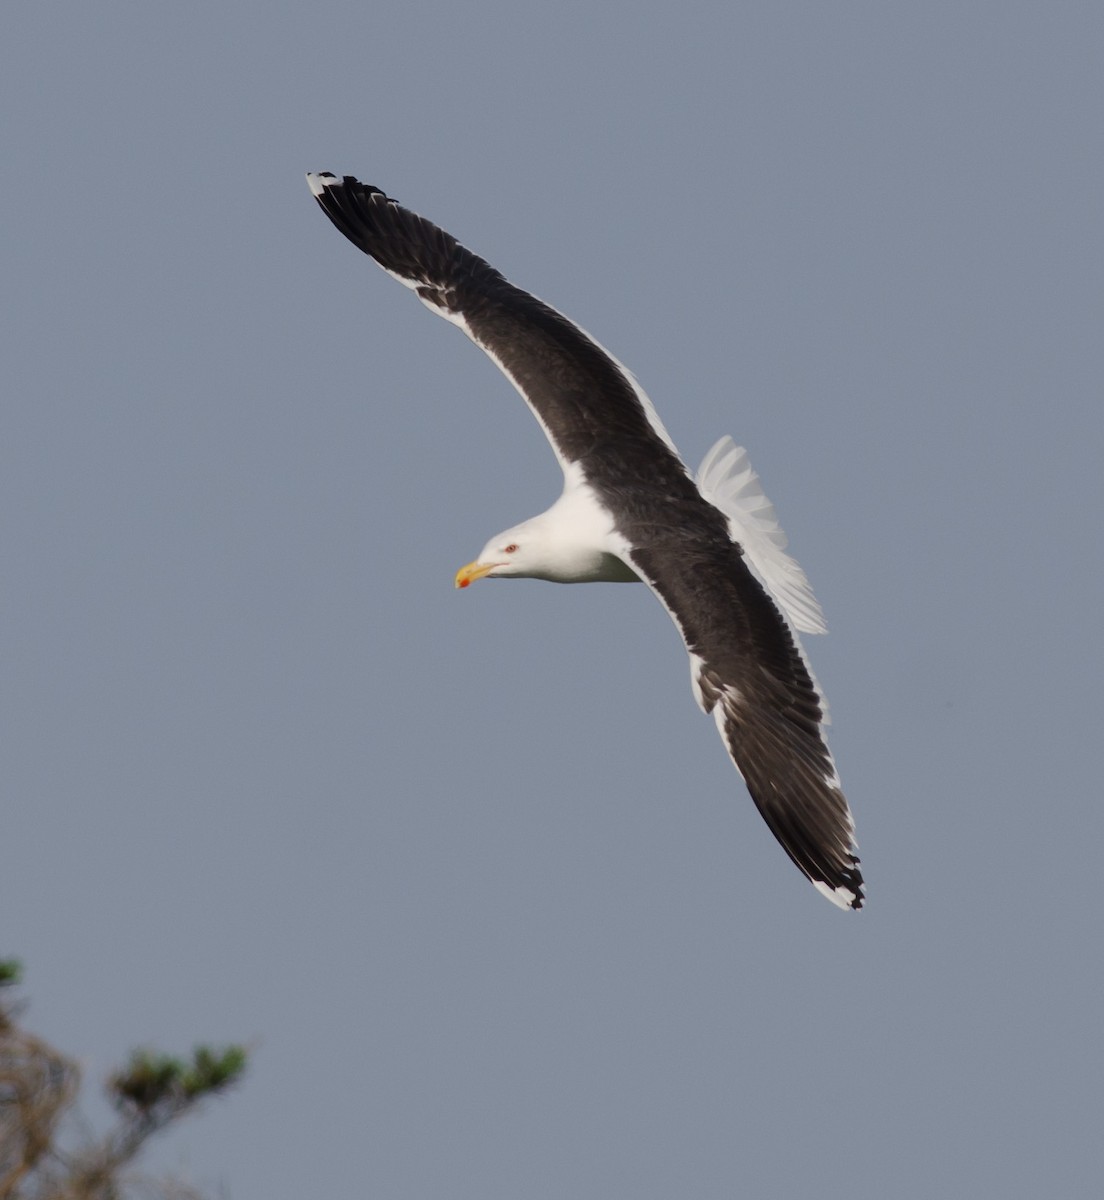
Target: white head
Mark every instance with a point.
(548, 547)
(526, 551)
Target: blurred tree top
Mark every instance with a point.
(38, 1089)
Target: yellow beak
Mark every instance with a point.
(473, 571)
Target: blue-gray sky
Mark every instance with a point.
(469, 869)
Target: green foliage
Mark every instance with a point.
(152, 1080)
(38, 1089)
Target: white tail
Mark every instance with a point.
(729, 482)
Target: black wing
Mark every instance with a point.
(750, 673)
(581, 395)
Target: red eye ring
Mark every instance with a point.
(511, 548)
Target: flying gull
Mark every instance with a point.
(711, 549)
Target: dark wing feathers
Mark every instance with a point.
(408, 246)
(754, 680)
(580, 395)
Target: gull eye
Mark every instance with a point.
(510, 549)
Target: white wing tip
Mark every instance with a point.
(320, 180)
(842, 897)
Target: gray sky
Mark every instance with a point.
(470, 870)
